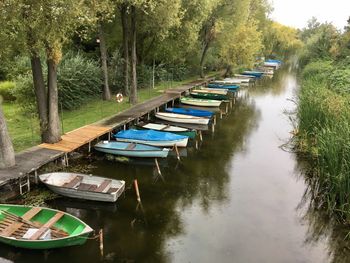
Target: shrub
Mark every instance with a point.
(339, 81)
(6, 89)
(79, 79)
(319, 70)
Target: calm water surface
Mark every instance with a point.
(236, 199)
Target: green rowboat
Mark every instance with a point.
(40, 228)
(208, 96)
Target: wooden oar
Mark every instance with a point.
(35, 225)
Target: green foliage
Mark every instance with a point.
(79, 79)
(339, 81)
(6, 88)
(324, 133)
(319, 70)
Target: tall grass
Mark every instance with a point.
(324, 135)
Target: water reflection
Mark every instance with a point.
(233, 200)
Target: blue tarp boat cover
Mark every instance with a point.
(274, 61)
(190, 111)
(148, 135)
(221, 86)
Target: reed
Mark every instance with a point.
(324, 135)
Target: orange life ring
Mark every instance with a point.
(119, 97)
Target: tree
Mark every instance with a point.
(7, 154)
(43, 27)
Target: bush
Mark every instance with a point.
(6, 89)
(79, 79)
(339, 81)
(319, 70)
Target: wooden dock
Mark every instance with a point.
(30, 160)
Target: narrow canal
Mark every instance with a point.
(236, 199)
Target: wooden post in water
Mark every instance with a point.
(214, 119)
(200, 135)
(177, 152)
(101, 241)
(138, 198)
(157, 166)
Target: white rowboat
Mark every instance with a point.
(181, 118)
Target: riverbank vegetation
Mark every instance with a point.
(61, 56)
(324, 115)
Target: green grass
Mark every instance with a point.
(324, 135)
(24, 129)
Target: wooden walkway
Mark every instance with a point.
(32, 159)
(75, 139)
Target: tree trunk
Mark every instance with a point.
(124, 18)
(228, 71)
(133, 90)
(41, 95)
(106, 93)
(201, 65)
(7, 154)
(54, 120)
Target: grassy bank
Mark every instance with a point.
(24, 128)
(324, 137)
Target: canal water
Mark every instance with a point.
(238, 198)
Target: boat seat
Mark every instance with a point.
(47, 225)
(131, 146)
(165, 127)
(104, 186)
(112, 190)
(8, 231)
(73, 182)
(87, 187)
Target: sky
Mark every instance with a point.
(296, 13)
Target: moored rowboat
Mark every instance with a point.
(167, 128)
(40, 227)
(211, 91)
(208, 96)
(83, 186)
(130, 149)
(200, 102)
(191, 111)
(181, 118)
(151, 137)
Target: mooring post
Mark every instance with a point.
(89, 146)
(226, 108)
(124, 127)
(200, 136)
(66, 157)
(220, 114)
(212, 128)
(101, 241)
(196, 144)
(28, 183)
(109, 136)
(173, 103)
(214, 119)
(36, 179)
(177, 152)
(157, 166)
(148, 116)
(138, 197)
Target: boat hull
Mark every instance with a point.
(208, 96)
(201, 102)
(179, 119)
(221, 86)
(189, 133)
(77, 230)
(178, 143)
(142, 154)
